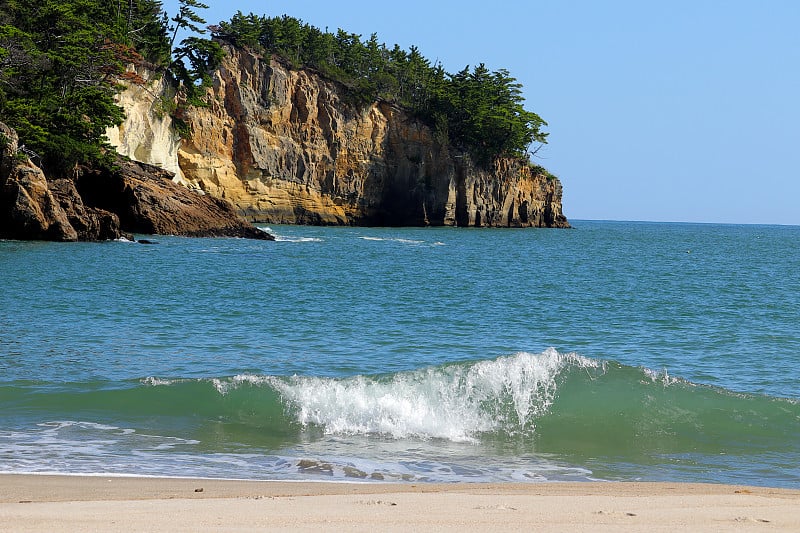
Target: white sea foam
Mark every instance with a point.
(661, 376)
(152, 381)
(333, 459)
(396, 239)
(224, 386)
(221, 386)
(453, 402)
(62, 444)
(288, 238)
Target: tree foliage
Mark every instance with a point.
(60, 62)
(195, 57)
(479, 110)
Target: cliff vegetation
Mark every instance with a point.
(61, 61)
(63, 64)
(476, 109)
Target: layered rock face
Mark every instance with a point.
(287, 146)
(98, 205)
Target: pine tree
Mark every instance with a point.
(195, 57)
(478, 110)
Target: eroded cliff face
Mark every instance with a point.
(286, 146)
(95, 204)
(148, 133)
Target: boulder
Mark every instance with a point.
(28, 209)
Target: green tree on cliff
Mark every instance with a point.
(60, 61)
(58, 84)
(478, 110)
(195, 57)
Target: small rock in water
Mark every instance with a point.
(309, 465)
(349, 471)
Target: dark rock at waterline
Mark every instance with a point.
(28, 209)
(90, 223)
(147, 201)
(94, 205)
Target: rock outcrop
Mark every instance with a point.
(147, 200)
(28, 207)
(102, 205)
(288, 146)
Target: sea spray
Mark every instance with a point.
(457, 401)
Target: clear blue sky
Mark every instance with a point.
(664, 111)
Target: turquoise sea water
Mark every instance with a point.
(613, 351)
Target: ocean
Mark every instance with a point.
(612, 351)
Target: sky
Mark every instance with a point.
(679, 111)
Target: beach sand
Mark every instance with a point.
(96, 503)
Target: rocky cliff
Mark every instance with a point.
(94, 204)
(33, 208)
(289, 146)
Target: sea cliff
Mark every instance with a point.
(290, 146)
(91, 204)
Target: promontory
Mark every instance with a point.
(268, 121)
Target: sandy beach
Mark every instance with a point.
(95, 503)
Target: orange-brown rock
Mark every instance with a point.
(28, 209)
(100, 205)
(147, 200)
(289, 146)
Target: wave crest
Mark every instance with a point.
(454, 402)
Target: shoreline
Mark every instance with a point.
(39, 502)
